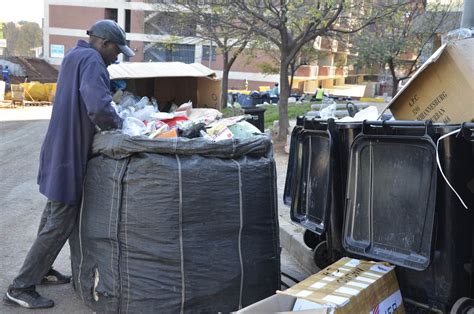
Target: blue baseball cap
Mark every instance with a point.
(110, 30)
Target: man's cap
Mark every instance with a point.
(110, 30)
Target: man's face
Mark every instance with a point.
(109, 51)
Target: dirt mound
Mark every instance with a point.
(35, 69)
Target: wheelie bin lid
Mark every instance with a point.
(391, 194)
(290, 180)
(310, 168)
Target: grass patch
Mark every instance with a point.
(271, 112)
(294, 110)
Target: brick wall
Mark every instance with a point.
(137, 47)
(244, 63)
(137, 24)
(64, 16)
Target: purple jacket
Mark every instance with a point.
(82, 101)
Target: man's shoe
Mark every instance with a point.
(27, 298)
(53, 277)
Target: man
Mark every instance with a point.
(82, 103)
(6, 74)
(275, 90)
(318, 94)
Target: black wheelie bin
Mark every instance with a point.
(315, 183)
(400, 209)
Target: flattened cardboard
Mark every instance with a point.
(442, 90)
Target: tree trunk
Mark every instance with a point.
(292, 73)
(283, 102)
(395, 82)
(395, 79)
(225, 79)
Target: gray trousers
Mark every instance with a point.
(55, 227)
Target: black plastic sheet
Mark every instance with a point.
(180, 225)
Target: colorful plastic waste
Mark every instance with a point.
(159, 129)
(205, 116)
(142, 118)
(243, 130)
(220, 132)
(168, 134)
(173, 121)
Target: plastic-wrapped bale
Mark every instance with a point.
(177, 225)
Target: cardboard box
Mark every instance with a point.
(442, 90)
(171, 82)
(347, 286)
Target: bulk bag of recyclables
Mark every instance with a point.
(177, 225)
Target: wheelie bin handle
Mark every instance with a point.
(467, 130)
(367, 125)
(457, 131)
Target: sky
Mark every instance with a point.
(22, 10)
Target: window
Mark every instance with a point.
(111, 14)
(205, 52)
(127, 21)
(168, 23)
(169, 53)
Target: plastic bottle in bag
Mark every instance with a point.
(128, 100)
(154, 103)
(142, 103)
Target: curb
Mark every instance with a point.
(291, 239)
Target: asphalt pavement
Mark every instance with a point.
(22, 131)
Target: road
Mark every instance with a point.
(21, 134)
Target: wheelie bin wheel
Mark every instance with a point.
(463, 306)
(321, 255)
(311, 239)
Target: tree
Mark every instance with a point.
(229, 40)
(22, 37)
(289, 25)
(398, 42)
(30, 36)
(10, 33)
(306, 56)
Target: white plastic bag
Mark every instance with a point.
(370, 113)
(133, 127)
(145, 113)
(328, 109)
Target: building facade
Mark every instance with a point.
(154, 36)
